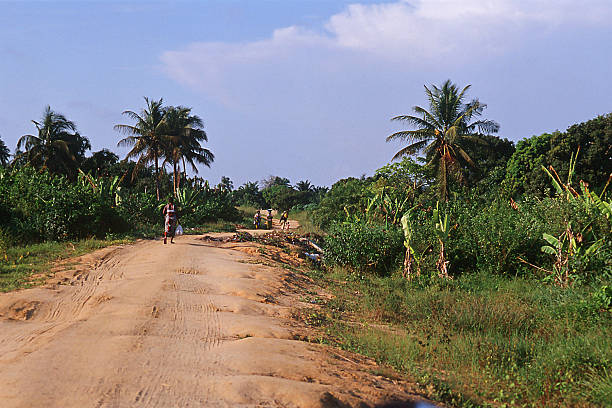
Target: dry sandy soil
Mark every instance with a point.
(194, 324)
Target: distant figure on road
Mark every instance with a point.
(171, 219)
(284, 219)
(269, 219)
(257, 219)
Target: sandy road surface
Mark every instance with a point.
(183, 325)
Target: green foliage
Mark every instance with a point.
(249, 195)
(100, 163)
(284, 198)
(364, 247)
(5, 153)
(491, 155)
(56, 147)
(211, 205)
(140, 208)
(489, 340)
(350, 194)
(40, 206)
(594, 164)
(445, 132)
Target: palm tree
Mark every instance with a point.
(444, 131)
(184, 135)
(304, 185)
(5, 153)
(57, 145)
(146, 138)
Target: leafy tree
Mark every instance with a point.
(275, 181)
(284, 198)
(318, 193)
(491, 155)
(5, 153)
(345, 195)
(443, 131)
(226, 184)
(594, 163)
(57, 146)
(249, 194)
(147, 137)
(404, 174)
(184, 137)
(524, 169)
(100, 163)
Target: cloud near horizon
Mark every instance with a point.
(420, 33)
(340, 84)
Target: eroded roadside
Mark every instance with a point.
(197, 323)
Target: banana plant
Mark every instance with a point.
(351, 218)
(187, 198)
(585, 195)
(443, 234)
(105, 188)
(410, 259)
(604, 207)
(391, 207)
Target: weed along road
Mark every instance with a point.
(192, 324)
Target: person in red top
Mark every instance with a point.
(171, 220)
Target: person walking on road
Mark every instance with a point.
(284, 220)
(257, 220)
(171, 220)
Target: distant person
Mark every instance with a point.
(284, 219)
(257, 219)
(171, 218)
(269, 219)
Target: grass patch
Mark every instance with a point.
(212, 226)
(479, 339)
(19, 263)
(306, 224)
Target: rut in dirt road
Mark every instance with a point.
(183, 325)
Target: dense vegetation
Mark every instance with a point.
(482, 270)
(480, 267)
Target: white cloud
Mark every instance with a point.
(436, 28)
(336, 88)
(417, 32)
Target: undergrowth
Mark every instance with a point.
(479, 339)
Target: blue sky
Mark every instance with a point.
(302, 89)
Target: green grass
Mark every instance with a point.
(19, 263)
(306, 224)
(479, 339)
(213, 226)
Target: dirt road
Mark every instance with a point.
(183, 325)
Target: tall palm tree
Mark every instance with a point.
(57, 146)
(444, 131)
(184, 135)
(304, 185)
(146, 137)
(5, 153)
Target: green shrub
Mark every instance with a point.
(141, 209)
(367, 247)
(348, 193)
(39, 206)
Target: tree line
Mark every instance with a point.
(160, 136)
